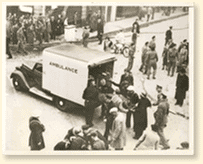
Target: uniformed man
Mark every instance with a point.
(152, 43)
(21, 39)
(90, 95)
(161, 119)
(172, 57)
(151, 60)
(131, 57)
(143, 67)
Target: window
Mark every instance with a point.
(38, 67)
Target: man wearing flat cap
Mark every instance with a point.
(182, 86)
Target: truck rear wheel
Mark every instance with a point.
(61, 103)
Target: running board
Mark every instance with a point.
(41, 93)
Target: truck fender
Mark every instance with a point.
(20, 74)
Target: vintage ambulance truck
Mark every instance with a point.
(62, 74)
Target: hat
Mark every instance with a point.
(126, 70)
(85, 127)
(114, 109)
(172, 45)
(131, 88)
(182, 70)
(143, 94)
(76, 130)
(164, 96)
(159, 86)
(185, 40)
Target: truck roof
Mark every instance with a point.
(89, 56)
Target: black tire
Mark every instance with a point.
(17, 83)
(61, 103)
(126, 52)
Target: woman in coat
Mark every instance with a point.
(36, 140)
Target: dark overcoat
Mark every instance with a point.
(182, 85)
(36, 140)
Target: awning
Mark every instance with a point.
(26, 9)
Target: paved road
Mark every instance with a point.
(19, 105)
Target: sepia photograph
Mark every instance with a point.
(97, 78)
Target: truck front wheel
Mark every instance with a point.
(17, 83)
(61, 103)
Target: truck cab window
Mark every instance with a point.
(38, 67)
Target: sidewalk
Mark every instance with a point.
(111, 28)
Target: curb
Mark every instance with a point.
(94, 38)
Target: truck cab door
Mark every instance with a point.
(37, 72)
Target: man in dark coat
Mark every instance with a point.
(90, 95)
(53, 27)
(136, 26)
(126, 80)
(133, 100)
(36, 141)
(100, 30)
(135, 31)
(168, 34)
(182, 86)
(128, 77)
(140, 115)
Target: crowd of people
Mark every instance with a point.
(28, 29)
